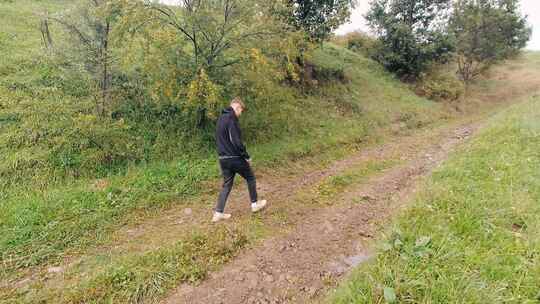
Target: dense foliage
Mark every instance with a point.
(487, 31)
(359, 42)
(319, 18)
(412, 33)
(115, 81)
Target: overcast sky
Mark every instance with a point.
(529, 7)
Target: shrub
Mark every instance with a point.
(440, 85)
(362, 43)
(324, 66)
(410, 42)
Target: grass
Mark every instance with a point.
(335, 184)
(74, 214)
(147, 275)
(140, 278)
(473, 234)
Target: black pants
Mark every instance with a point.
(229, 168)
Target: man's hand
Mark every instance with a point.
(249, 161)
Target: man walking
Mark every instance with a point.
(233, 158)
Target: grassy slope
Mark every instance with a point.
(472, 236)
(45, 213)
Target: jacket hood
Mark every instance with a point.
(228, 110)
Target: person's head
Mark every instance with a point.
(238, 106)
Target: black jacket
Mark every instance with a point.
(228, 136)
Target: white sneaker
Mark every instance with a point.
(258, 206)
(218, 216)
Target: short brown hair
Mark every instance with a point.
(239, 101)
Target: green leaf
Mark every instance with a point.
(386, 246)
(422, 241)
(389, 295)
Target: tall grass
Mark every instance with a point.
(473, 234)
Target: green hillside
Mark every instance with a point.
(54, 151)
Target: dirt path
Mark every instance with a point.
(298, 267)
(314, 245)
(280, 187)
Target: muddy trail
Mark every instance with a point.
(307, 245)
(311, 245)
(303, 264)
(300, 266)
(295, 225)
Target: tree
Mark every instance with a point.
(514, 27)
(412, 34)
(212, 27)
(89, 26)
(189, 50)
(319, 18)
(486, 31)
